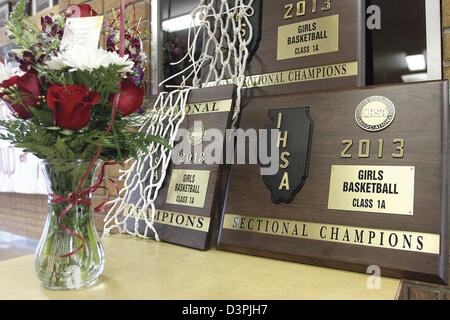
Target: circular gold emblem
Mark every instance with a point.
(375, 113)
(197, 134)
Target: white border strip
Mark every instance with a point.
(156, 46)
(434, 36)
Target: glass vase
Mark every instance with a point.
(58, 262)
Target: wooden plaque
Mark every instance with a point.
(187, 204)
(362, 181)
(305, 45)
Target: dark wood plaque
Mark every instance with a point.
(375, 189)
(305, 45)
(187, 203)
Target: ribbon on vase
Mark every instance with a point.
(80, 197)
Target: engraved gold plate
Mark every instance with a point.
(308, 38)
(209, 107)
(203, 107)
(331, 71)
(375, 189)
(350, 235)
(176, 219)
(188, 187)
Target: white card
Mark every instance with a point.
(83, 32)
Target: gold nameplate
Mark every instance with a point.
(209, 107)
(332, 71)
(308, 38)
(182, 220)
(202, 107)
(380, 238)
(176, 219)
(377, 189)
(188, 188)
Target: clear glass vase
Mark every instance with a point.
(58, 263)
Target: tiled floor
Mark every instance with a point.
(13, 246)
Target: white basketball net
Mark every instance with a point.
(224, 57)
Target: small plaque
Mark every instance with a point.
(372, 189)
(187, 204)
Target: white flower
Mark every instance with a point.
(115, 59)
(82, 58)
(6, 71)
(56, 63)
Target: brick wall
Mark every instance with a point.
(23, 214)
(446, 36)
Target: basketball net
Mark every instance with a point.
(223, 56)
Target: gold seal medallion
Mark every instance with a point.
(375, 113)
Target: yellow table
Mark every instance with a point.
(143, 269)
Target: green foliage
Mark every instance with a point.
(30, 38)
(39, 134)
(21, 28)
(57, 144)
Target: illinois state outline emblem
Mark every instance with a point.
(294, 143)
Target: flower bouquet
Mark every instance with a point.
(73, 106)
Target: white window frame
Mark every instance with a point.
(434, 39)
(33, 6)
(156, 47)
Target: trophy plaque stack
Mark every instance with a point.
(363, 173)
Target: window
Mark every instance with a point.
(41, 5)
(170, 21)
(4, 13)
(407, 48)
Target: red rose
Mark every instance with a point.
(27, 94)
(80, 11)
(71, 105)
(131, 99)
